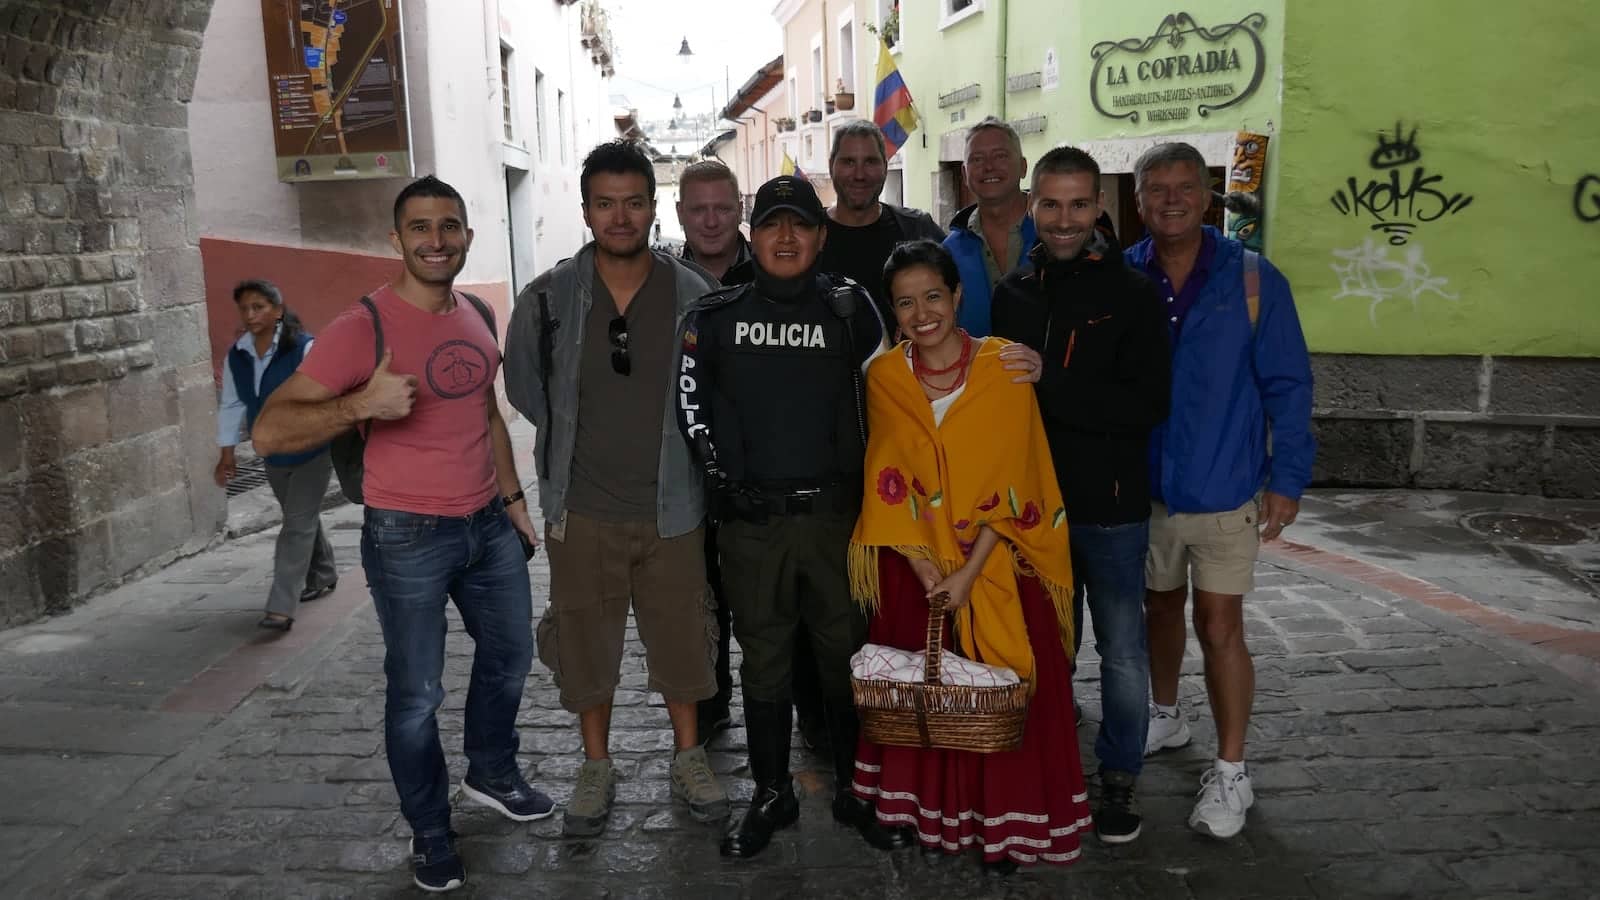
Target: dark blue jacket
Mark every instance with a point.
(283, 364)
(1230, 382)
(977, 291)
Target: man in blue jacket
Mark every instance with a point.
(992, 236)
(1219, 483)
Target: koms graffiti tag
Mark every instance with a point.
(1399, 202)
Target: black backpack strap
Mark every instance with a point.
(377, 349)
(487, 313)
(547, 349)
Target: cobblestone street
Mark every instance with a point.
(156, 746)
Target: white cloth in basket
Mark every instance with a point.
(875, 662)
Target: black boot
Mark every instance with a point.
(774, 804)
(848, 809)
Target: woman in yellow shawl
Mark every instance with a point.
(961, 498)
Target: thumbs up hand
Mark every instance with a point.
(388, 395)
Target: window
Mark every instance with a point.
(794, 97)
(847, 52)
(561, 122)
(953, 11)
(505, 93)
(540, 113)
(819, 75)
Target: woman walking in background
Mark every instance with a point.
(264, 357)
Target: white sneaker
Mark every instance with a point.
(1166, 732)
(1223, 801)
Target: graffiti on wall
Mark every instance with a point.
(1245, 179)
(1378, 273)
(1400, 194)
(1586, 198)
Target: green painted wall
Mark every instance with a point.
(1039, 25)
(1501, 100)
(933, 63)
(936, 62)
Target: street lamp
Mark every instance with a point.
(684, 52)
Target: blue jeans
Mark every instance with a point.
(1108, 565)
(413, 562)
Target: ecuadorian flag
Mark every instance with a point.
(790, 167)
(891, 102)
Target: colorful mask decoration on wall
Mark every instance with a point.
(1245, 179)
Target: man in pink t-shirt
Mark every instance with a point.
(444, 511)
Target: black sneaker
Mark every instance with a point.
(1117, 820)
(514, 798)
(435, 866)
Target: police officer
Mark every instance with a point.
(770, 399)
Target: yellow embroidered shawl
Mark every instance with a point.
(929, 488)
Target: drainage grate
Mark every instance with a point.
(1500, 526)
(250, 474)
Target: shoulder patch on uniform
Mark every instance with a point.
(719, 297)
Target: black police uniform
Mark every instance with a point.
(770, 399)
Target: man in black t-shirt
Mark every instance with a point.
(863, 230)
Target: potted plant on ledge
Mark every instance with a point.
(813, 115)
(889, 29)
(844, 100)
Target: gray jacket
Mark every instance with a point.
(553, 407)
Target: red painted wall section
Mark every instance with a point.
(316, 284)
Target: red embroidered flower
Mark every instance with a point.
(891, 486)
(1030, 516)
(962, 525)
(990, 503)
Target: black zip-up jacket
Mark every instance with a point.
(1100, 328)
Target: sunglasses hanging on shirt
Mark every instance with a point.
(618, 330)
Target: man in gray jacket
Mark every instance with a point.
(589, 358)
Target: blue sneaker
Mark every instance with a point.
(435, 865)
(513, 798)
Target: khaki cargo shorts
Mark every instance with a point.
(598, 570)
(1215, 551)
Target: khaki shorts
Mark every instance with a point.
(1217, 551)
(597, 571)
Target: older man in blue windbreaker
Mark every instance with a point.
(1227, 467)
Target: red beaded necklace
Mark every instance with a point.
(924, 373)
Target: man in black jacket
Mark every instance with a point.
(1098, 324)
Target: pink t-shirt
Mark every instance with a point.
(437, 460)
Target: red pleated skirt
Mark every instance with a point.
(1027, 804)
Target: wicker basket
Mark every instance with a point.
(941, 716)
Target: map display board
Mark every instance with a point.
(337, 88)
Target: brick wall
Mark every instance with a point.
(1508, 424)
(106, 398)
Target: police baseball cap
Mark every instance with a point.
(791, 193)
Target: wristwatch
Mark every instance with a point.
(513, 498)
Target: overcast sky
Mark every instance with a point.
(731, 39)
